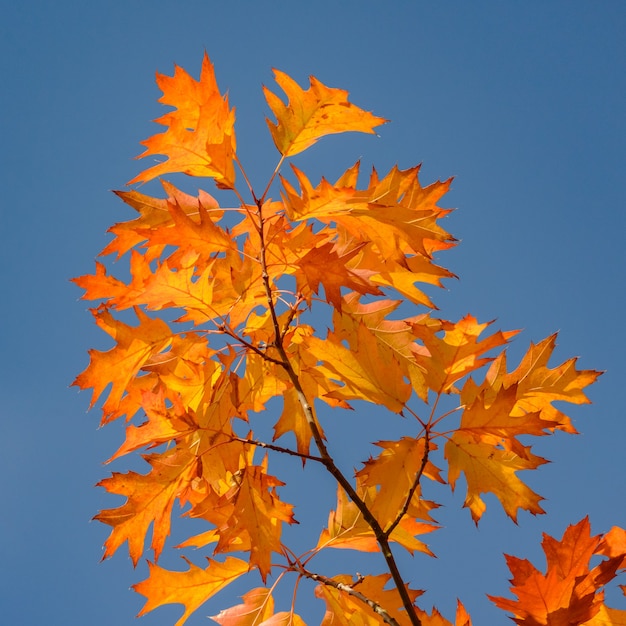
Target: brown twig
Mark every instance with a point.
(350, 590)
(271, 446)
(326, 459)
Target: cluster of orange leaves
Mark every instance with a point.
(241, 281)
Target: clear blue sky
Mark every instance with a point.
(522, 102)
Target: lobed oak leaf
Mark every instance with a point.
(200, 139)
(459, 352)
(397, 335)
(368, 370)
(536, 384)
(191, 588)
(490, 469)
(569, 592)
(396, 214)
(436, 619)
(100, 286)
(257, 515)
(394, 471)
(328, 265)
(154, 213)
(347, 528)
(258, 605)
(150, 498)
(162, 425)
(120, 365)
(392, 224)
(312, 114)
(497, 418)
(195, 234)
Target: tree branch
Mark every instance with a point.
(326, 458)
(379, 610)
(271, 446)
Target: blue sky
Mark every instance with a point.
(523, 103)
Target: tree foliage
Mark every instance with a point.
(243, 283)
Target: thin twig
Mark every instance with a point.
(250, 346)
(271, 446)
(324, 580)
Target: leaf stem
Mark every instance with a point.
(271, 180)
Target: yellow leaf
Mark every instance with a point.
(489, 469)
(258, 605)
(368, 370)
(191, 588)
(312, 114)
(394, 471)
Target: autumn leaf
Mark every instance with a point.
(348, 529)
(150, 499)
(569, 592)
(258, 605)
(154, 213)
(284, 618)
(311, 114)
(458, 353)
(607, 617)
(257, 514)
(118, 366)
(368, 370)
(436, 619)
(200, 139)
(191, 588)
(395, 470)
(327, 266)
(489, 469)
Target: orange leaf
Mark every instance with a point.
(436, 619)
(311, 114)
(200, 139)
(154, 213)
(347, 528)
(394, 471)
(191, 588)
(120, 365)
(284, 618)
(569, 592)
(368, 370)
(328, 266)
(163, 424)
(257, 515)
(150, 498)
(458, 353)
(607, 617)
(490, 469)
